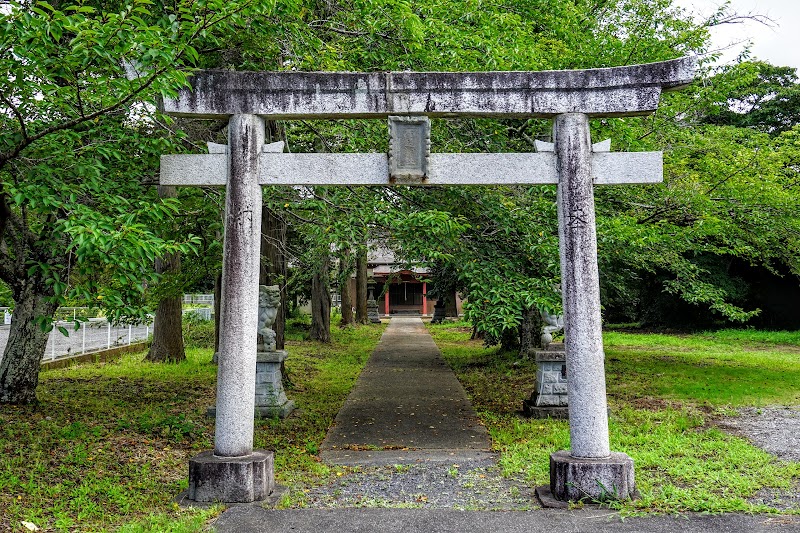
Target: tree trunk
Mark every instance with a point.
(274, 266)
(509, 340)
(530, 332)
(167, 346)
(450, 305)
(347, 302)
(19, 369)
(361, 287)
(321, 303)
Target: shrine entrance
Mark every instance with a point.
(234, 471)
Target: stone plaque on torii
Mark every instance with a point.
(234, 472)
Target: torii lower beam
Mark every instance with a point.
(445, 169)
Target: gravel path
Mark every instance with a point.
(409, 436)
(473, 486)
(406, 407)
(478, 485)
(775, 430)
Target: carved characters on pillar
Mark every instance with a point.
(269, 300)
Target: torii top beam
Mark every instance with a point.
(602, 92)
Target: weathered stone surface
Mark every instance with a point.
(275, 356)
(580, 288)
(600, 92)
(271, 400)
(231, 479)
(372, 307)
(237, 361)
(531, 410)
(444, 169)
(573, 479)
(409, 149)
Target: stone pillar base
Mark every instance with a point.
(573, 479)
(244, 479)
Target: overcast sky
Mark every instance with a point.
(778, 44)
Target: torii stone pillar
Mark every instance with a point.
(569, 98)
(589, 468)
(234, 472)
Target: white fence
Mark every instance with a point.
(93, 335)
(204, 299)
(96, 334)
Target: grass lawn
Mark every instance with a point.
(665, 392)
(108, 446)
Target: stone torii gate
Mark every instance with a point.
(233, 471)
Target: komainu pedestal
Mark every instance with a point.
(271, 398)
(549, 397)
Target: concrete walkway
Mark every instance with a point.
(406, 407)
(253, 519)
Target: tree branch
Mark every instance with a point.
(17, 114)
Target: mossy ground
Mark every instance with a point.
(108, 445)
(665, 392)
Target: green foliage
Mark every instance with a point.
(755, 95)
(499, 243)
(197, 333)
(79, 140)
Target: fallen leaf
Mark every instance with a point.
(30, 526)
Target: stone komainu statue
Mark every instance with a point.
(269, 300)
(552, 324)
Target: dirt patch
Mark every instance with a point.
(653, 404)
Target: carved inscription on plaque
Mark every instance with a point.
(409, 149)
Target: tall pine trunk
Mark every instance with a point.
(167, 343)
(321, 303)
(450, 304)
(22, 358)
(345, 291)
(348, 319)
(530, 330)
(361, 287)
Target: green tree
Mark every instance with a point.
(77, 145)
(500, 242)
(755, 95)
